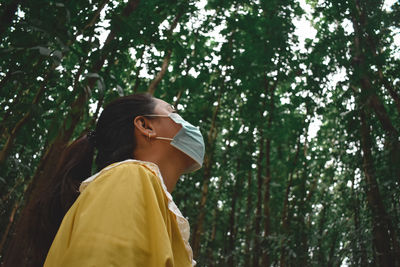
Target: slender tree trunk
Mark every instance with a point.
(360, 65)
(92, 122)
(359, 254)
(303, 257)
(267, 194)
(211, 246)
(12, 217)
(212, 134)
(14, 74)
(257, 221)
(211, 137)
(389, 87)
(6, 78)
(269, 90)
(385, 240)
(9, 193)
(380, 219)
(4, 131)
(154, 83)
(303, 211)
(285, 209)
(178, 98)
(198, 228)
(137, 72)
(380, 110)
(232, 223)
(249, 210)
(10, 223)
(331, 255)
(188, 64)
(93, 20)
(13, 134)
(321, 226)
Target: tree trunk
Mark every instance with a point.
(154, 83)
(380, 219)
(360, 65)
(10, 223)
(331, 255)
(198, 227)
(303, 248)
(359, 254)
(285, 209)
(139, 68)
(211, 246)
(389, 87)
(178, 98)
(257, 221)
(13, 134)
(267, 224)
(212, 134)
(232, 226)
(249, 210)
(321, 226)
(303, 211)
(4, 131)
(267, 195)
(93, 20)
(384, 236)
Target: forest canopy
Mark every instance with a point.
(298, 103)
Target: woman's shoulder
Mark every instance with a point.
(129, 170)
(131, 165)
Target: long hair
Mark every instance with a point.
(114, 141)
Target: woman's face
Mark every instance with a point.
(160, 127)
(164, 126)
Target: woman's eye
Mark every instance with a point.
(173, 109)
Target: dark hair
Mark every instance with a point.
(114, 140)
(114, 130)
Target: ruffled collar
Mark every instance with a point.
(183, 223)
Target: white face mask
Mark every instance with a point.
(189, 140)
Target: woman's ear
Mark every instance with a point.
(144, 126)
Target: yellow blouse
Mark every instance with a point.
(124, 216)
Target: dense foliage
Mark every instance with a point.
(271, 191)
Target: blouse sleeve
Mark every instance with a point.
(119, 220)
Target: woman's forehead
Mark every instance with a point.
(161, 106)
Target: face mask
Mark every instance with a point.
(188, 140)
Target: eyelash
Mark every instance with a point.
(173, 109)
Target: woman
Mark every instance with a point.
(125, 215)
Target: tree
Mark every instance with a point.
(302, 158)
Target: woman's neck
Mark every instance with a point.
(169, 171)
